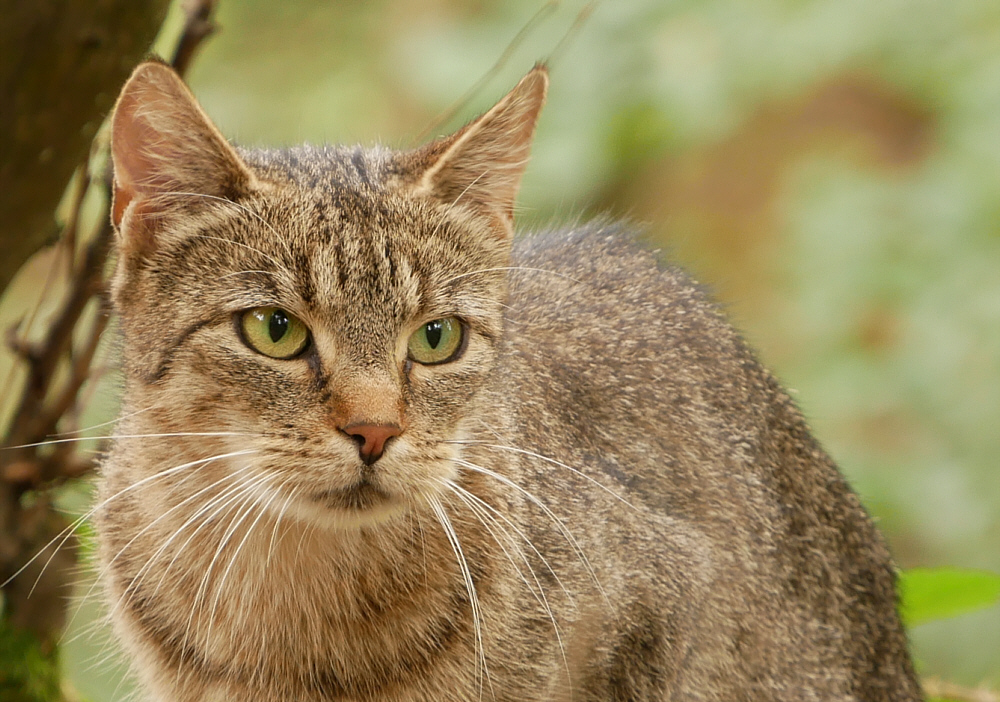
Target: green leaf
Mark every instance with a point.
(940, 593)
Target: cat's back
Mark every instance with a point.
(625, 370)
(613, 349)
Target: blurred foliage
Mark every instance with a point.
(830, 167)
(29, 672)
(927, 594)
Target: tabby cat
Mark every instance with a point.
(374, 447)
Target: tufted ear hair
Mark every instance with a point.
(481, 165)
(167, 156)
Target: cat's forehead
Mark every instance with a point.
(323, 169)
(336, 198)
(338, 227)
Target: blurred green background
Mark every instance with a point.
(831, 168)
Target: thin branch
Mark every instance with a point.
(36, 416)
(543, 12)
(198, 26)
(949, 691)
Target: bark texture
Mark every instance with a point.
(61, 65)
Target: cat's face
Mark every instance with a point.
(326, 317)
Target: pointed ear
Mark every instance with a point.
(163, 145)
(481, 165)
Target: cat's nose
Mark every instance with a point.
(371, 438)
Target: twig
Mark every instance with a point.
(935, 687)
(81, 183)
(198, 26)
(449, 114)
(36, 416)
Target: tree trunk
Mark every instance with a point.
(61, 65)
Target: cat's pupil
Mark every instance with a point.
(277, 325)
(433, 333)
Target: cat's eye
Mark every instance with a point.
(438, 341)
(273, 332)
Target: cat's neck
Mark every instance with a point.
(284, 596)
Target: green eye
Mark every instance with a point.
(436, 342)
(273, 332)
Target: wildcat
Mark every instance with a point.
(373, 447)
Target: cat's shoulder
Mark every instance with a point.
(608, 270)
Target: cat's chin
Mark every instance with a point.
(355, 507)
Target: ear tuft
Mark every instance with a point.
(163, 144)
(481, 165)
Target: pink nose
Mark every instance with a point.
(371, 438)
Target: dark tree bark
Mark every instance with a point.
(61, 65)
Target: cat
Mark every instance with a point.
(374, 447)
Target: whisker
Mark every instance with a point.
(67, 532)
(471, 500)
(140, 573)
(526, 452)
(101, 574)
(262, 510)
(116, 420)
(570, 539)
(237, 205)
(511, 268)
(468, 188)
(270, 258)
(524, 537)
(127, 436)
(277, 523)
(470, 588)
(487, 520)
(225, 498)
(239, 501)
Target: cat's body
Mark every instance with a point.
(600, 495)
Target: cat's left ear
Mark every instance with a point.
(481, 165)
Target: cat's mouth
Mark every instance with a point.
(363, 495)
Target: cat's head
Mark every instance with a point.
(327, 316)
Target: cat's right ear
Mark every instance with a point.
(167, 155)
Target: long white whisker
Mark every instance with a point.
(468, 188)
(125, 436)
(493, 526)
(217, 504)
(220, 501)
(525, 452)
(570, 539)
(262, 510)
(245, 246)
(277, 524)
(116, 420)
(511, 268)
(277, 237)
(242, 511)
(524, 537)
(470, 588)
(63, 536)
(484, 517)
(165, 514)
